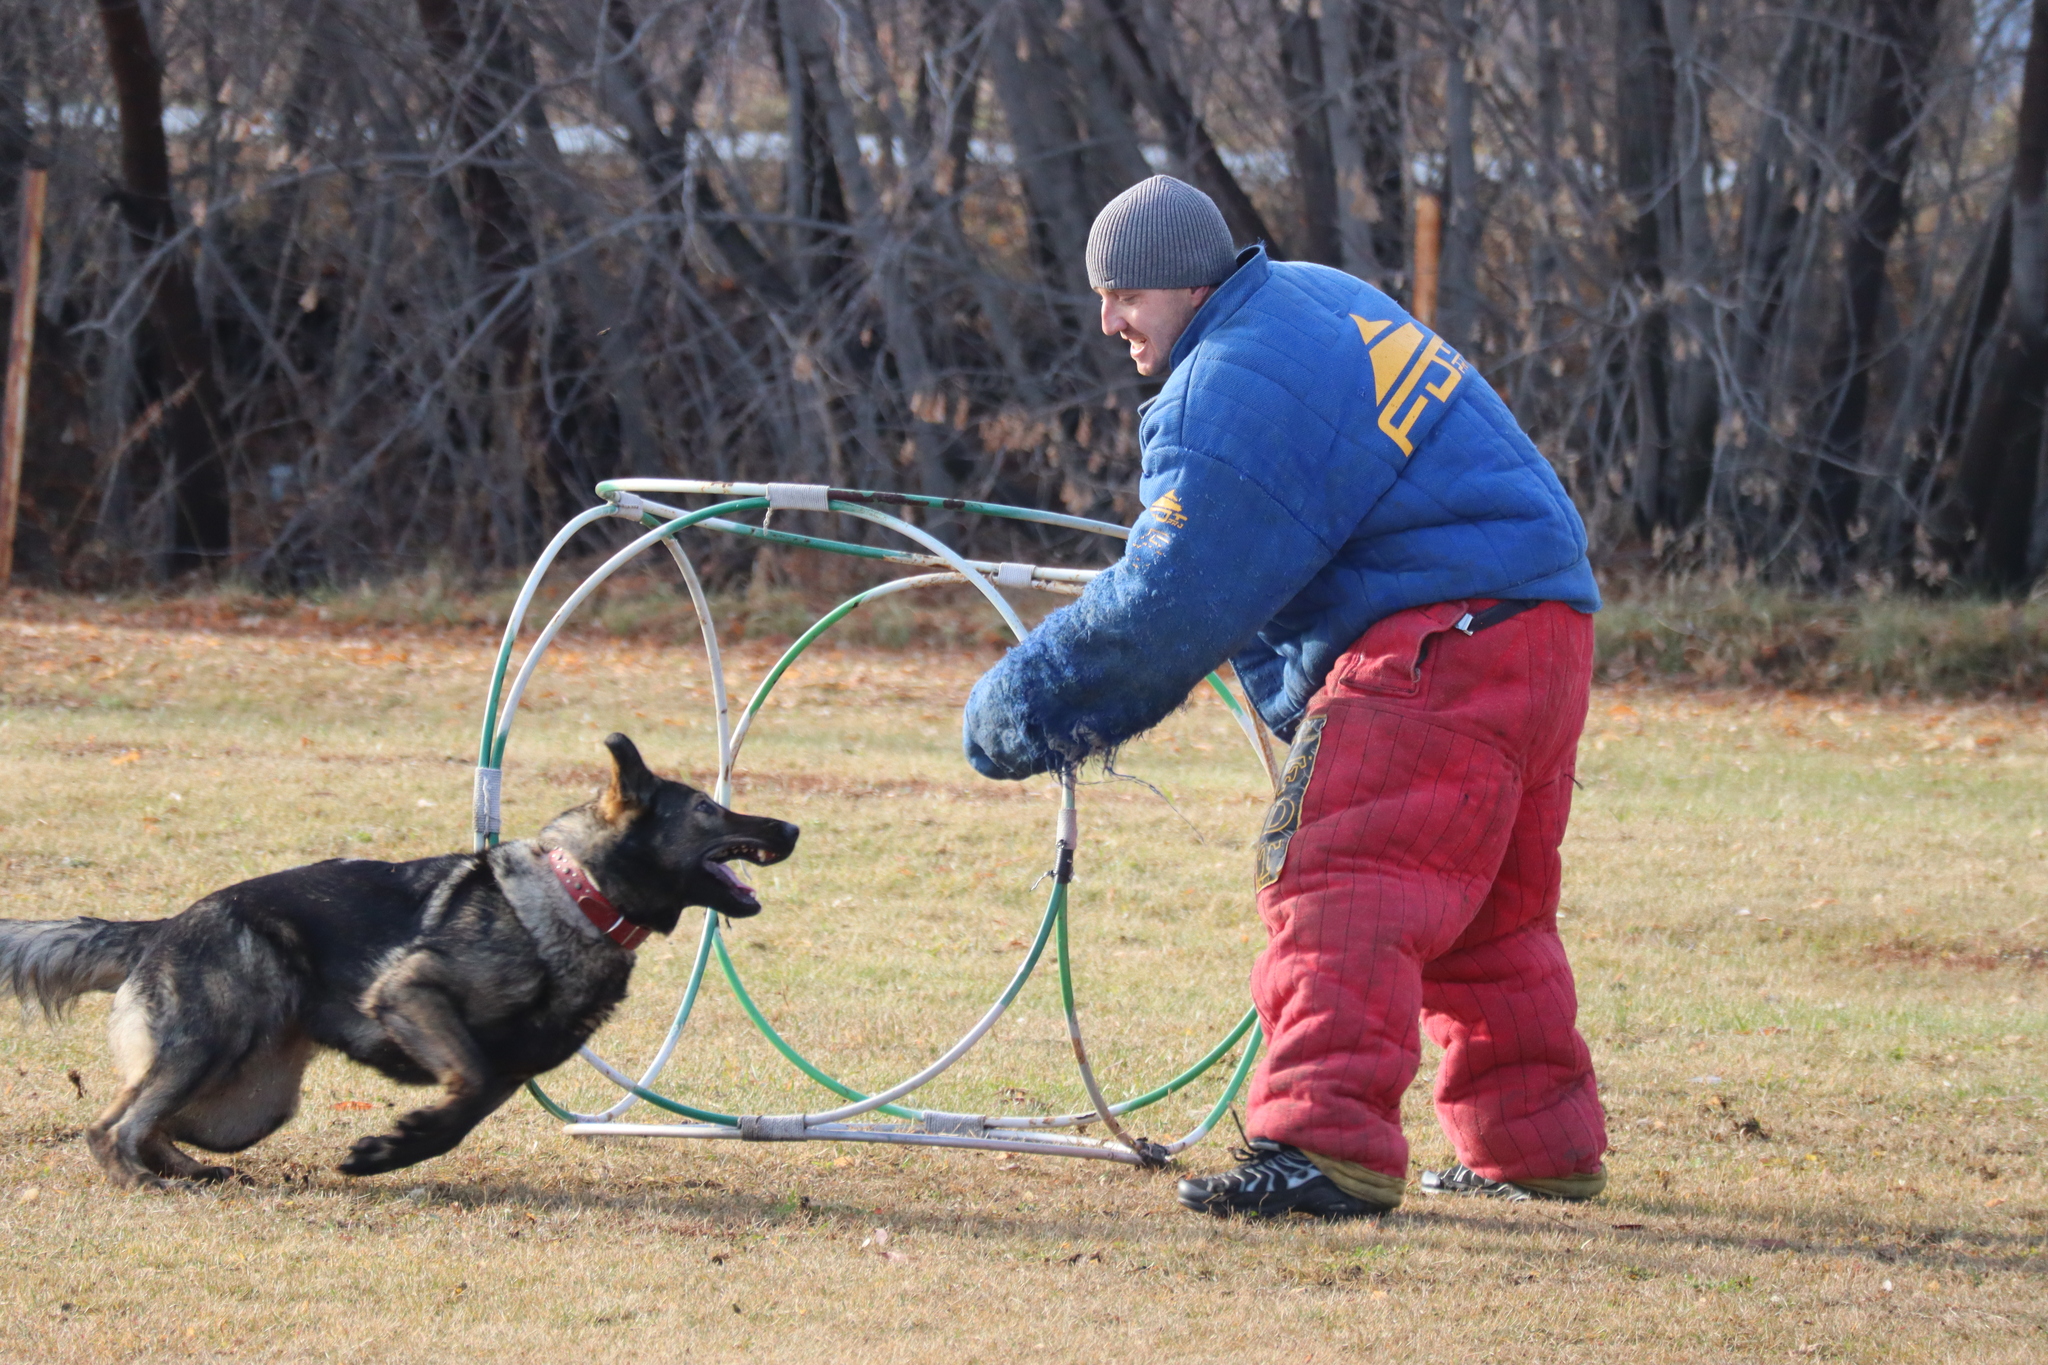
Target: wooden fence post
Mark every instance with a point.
(20, 345)
(1429, 244)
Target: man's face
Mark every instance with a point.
(1151, 320)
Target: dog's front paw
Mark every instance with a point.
(376, 1155)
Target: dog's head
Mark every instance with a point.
(656, 846)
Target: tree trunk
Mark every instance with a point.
(1340, 72)
(485, 90)
(1381, 118)
(1042, 138)
(1644, 99)
(942, 119)
(627, 91)
(1458, 296)
(1695, 387)
(1308, 124)
(1999, 476)
(1186, 137)
(889, 284)
(1905, 32)
(180, 369)
(1546, 253)
(813, 198)
(484, 61)
(15, 135)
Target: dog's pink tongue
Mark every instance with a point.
(731, 879)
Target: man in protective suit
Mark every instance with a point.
(1340, 506)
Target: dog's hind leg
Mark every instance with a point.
(172, 1049)
(421, 1018)
(99, 1140)
(128, 1140)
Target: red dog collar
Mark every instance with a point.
(593, 904)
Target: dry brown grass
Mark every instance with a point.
(1827, 1111)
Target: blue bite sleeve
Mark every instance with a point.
(1212, 560)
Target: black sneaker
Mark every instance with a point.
(1274, 1179)
(1462, 1179)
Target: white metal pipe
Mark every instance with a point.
(715, 661)
(719, 488)
(661, 1055)
(1028, 1146)
(982, 566)
(902, 1088)
(561, 619)
(947, 553)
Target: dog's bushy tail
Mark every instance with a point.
(54, 961)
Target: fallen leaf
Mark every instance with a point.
(132, 756)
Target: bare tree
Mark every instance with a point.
(2000, 479)
(391, 282)
(188, 480)
(1904, 34)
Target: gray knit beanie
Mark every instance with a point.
(1160, 233)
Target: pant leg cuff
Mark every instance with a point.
(1566, 1186)
(1360, 1182)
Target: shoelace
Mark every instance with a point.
(1275, 1168)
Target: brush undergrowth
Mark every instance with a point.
(1688, 635)
(1894, 644)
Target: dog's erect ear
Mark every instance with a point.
(632, 785)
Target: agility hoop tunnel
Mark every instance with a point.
(938, 564)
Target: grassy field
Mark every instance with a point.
(1809, 934)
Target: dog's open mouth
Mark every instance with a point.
(741, 892)
(715, 864)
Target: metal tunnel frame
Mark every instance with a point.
(861, 1118)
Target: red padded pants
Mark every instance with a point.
(1410, 867)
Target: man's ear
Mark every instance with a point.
(632, 786)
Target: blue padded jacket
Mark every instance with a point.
(1317, 461)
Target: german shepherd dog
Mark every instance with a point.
(475, 972)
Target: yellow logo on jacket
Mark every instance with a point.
(1167, 508)
(1401, 360)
